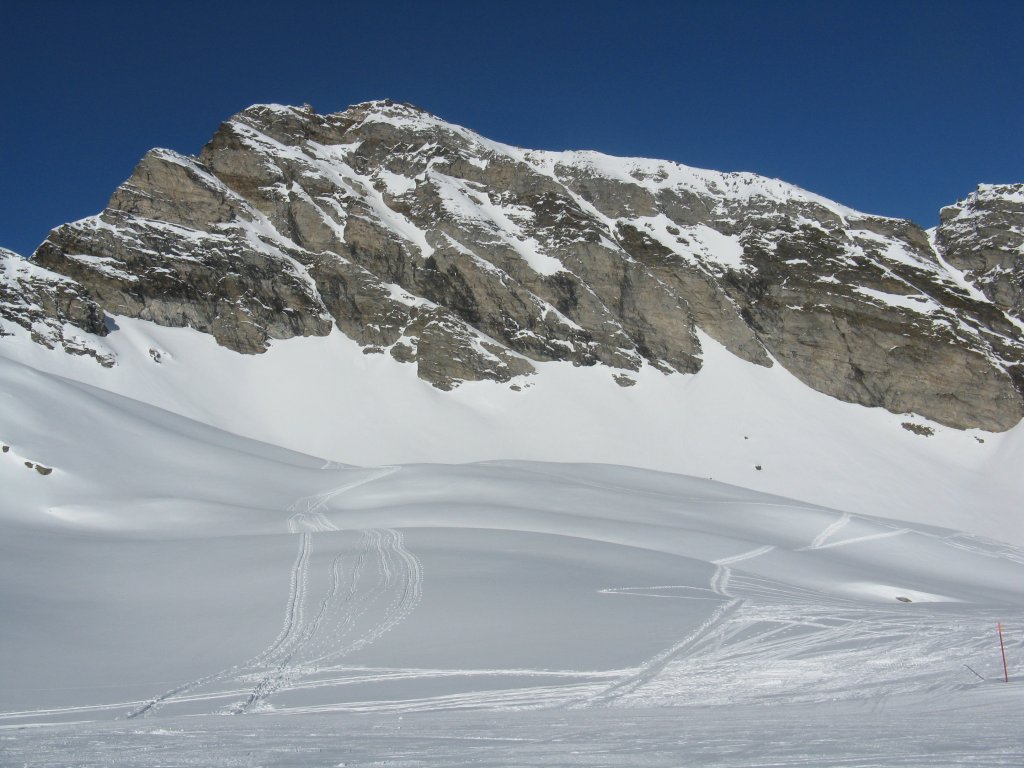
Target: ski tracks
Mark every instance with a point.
(711, 627)
(390, 601)
(651, 668)
(723, 573)
(826, 534)
(821, 541)
(770, 640)
(355, 611)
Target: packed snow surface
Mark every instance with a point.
(164, 571)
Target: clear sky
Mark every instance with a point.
(895, 108)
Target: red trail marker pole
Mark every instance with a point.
(1002, 649)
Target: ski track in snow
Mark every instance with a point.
(664, 591)
(723, 573)
(824, 536)
(654, 666)
(399, 590)
(808, 645)
(744, 556)
(821, 541)
(356, 617)
(869, 537)
(764, 638)
(798, 646)
(985, 547)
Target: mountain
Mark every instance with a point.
(474, 260)
(378, 286)
(401, 446)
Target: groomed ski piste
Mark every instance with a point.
(175, 594)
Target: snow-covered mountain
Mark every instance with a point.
(379, 286)
(366, 414)
(476, 260)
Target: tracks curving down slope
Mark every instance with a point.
(367, 591)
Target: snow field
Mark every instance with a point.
(209, 574)
(169, 584)
(720, 424)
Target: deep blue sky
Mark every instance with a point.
(894, 108)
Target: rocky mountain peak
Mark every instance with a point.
(476, 260)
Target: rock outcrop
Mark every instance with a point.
(984, 238)
(475, 260)
(55, 310)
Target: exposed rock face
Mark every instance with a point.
(984, 237)
(51, 307)
(177, 247)
(474, 260)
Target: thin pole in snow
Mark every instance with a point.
(975, 673)
(1002, 649)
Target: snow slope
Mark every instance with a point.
(173, 569)
(723, 424)
(164, 571)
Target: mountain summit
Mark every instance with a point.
(475, 260)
